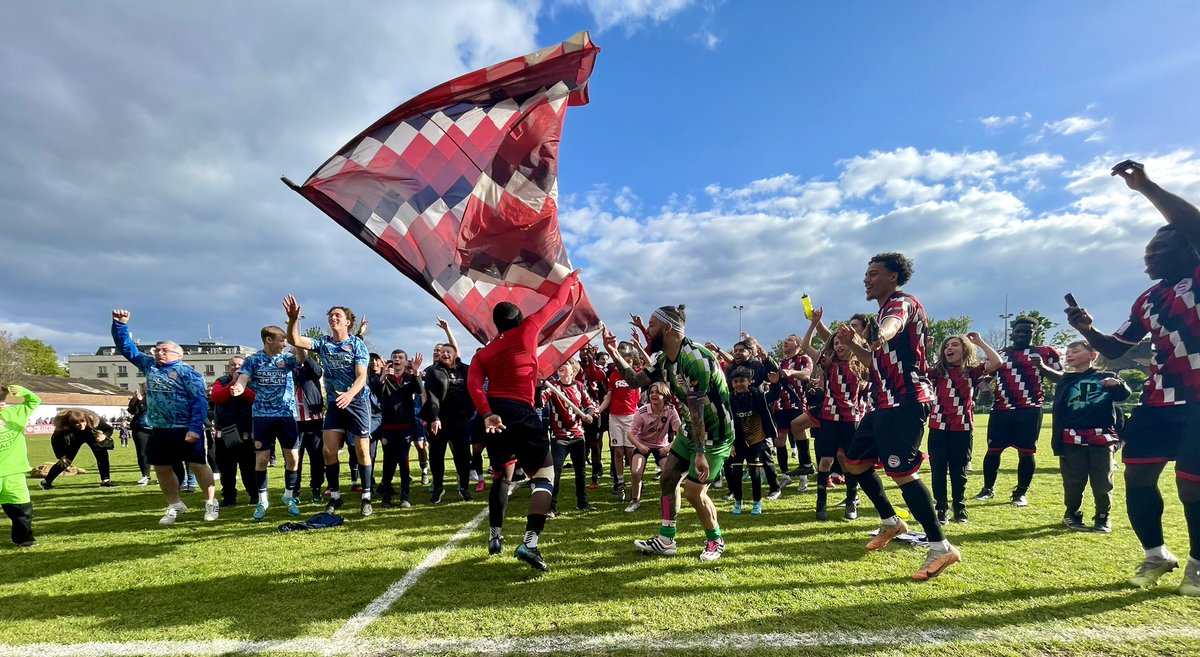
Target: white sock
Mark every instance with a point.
(943, 546)
(335, 495)
(262, 497)
(1160, 552)
(891, 522)
(531, 539)
(366, 495)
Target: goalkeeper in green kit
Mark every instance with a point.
(14, 464)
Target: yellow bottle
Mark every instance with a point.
(807, 303)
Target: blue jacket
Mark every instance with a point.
(174, 392)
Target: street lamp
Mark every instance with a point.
(739, 308)
(1006, 316)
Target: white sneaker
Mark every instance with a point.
(785, 481)
(656, 545)
(144, 481)
(633, 506)
(211, 510)
(173, 512)
(718, 484)
(474, 476)
(713, 550)
(803, 486)
(775, 494)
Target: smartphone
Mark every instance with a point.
(1070, 298)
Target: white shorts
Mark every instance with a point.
(619, 427)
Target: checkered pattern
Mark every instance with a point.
(457, 188)
(1169, 314)
(1019, 381)
(898, 368)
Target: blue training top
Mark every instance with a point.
(340, 359)
(271, 379)
(174, 392)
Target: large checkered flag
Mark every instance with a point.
(458, 189)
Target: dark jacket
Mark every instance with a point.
(230, 409)
(757, 404)
(1081, 402)
(448, 399)
(308, 383)
(137, 412)
(397, 396)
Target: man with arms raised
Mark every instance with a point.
(1165, 425)
(176, 409)
(348, 406)
(700, 449)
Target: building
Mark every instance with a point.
(57, 393)
(107, 364)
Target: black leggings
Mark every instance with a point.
(456, 436)
(140, 438)
(949, 453)
(70, 449)
(577, 450)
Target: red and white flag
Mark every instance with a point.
(458, 189)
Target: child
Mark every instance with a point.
(753, 423)
(654, 426)
(14, 465)
(1085, 433)
(952, 417)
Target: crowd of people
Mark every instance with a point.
(846, 402)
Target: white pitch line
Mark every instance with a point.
(379, 605)
(600, 644)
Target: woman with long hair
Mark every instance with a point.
(74, 428)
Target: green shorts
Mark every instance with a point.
(684, 448)
(13, 489)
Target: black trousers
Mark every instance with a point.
(395, 455)
(578, 451)
(455, 434)
(140, 438)
(310, 447)
(230, 460)
(1081, 464)
(69, 449)
(949, 454)
(22, 521)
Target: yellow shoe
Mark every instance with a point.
(885, 535)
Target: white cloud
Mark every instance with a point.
(632, 13)
(710, 40)
(1075, 124)
(993, 122)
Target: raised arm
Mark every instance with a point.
(125, 344)
(20, 414)
(634, 378)
(292, 309)
(993, 357)
(814, 326)
(1107, 345)
(1184, 216)
(450, 339)
(568, 292)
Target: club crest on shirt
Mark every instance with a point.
(172, 375)
(1184, 286)
(280, 363)
(346, 348)
(257, 444)
(893, 461)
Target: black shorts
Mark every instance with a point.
(354, 420)
(269, 429)
(751, 455)
(1018, 428)
(783, 419)
(1157, 434)
(835, 436)
(523, 439)
(168, 447)
(891, 436)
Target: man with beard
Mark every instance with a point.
(1165, 425)
(700, 449)
(1016, 418)
(450, 412)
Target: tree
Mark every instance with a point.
(12, 360)
(940, 329)
(40, 359)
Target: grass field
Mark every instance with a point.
(106, 579)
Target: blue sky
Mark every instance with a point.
(732, 153)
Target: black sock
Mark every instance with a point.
(260, 482)
(366, 474)
(805, 453)
(991, 467)
(332, 472)
(920, 505)
(822, 489)
(782, 457)
(755, 484)
(497, 502)
(872, 487)
(1025, 466)
(1145, 507)
(535, 523)
(851, 490)
(291, 481)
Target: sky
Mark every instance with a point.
(732, 154)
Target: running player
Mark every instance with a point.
(1165, 425)
(1016, 418)
(348, 406)
(508, 364)
(700, 449)
(269, 373)
(901, 398)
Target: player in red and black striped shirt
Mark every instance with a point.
(1165, 426)
(952, 417)
(1016, 418)
(902, 394)
(795, 368)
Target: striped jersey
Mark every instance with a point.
(1018, 382)
(564, 423)
(953, 407)
(841, 393)
(1169, 315)
(791, 392)
(899, 367)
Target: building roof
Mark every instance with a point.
(67, 390)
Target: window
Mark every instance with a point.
(209, 370)
(125, 386)
(102, 372)
(122, 371)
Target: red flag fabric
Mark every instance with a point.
(458, 188)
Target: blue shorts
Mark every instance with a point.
(168, 447)
(268, 429)
(354, 420)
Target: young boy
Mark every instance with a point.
(753, 424)
(14, 464)
(1085, 433)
